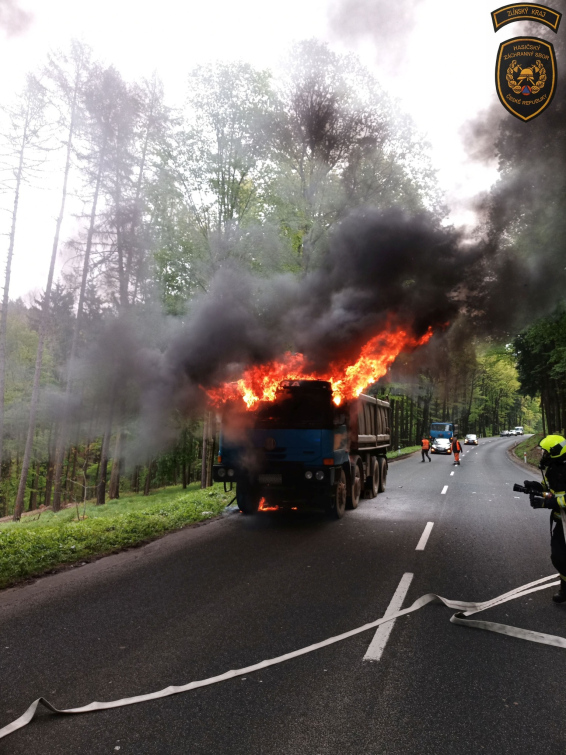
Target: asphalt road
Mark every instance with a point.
(239, 590)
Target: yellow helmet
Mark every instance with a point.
(554, 445)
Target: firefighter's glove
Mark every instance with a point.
(533, 486)
(537, 502)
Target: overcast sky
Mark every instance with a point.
(436, 56)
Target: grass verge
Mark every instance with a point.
(403, 452)
(36, 545)
(529, 446)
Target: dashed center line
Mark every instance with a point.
(377, 645)
(425, 536)
(444, 489)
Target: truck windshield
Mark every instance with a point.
(440, 427)
(296, 409)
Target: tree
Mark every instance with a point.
(339, 145)
(541, 356)
(69, 116)
(26, 126)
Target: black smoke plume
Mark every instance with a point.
(382, 268)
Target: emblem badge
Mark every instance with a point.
(542, 14)
(271, 444)
(525, 76)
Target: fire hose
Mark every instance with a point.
(463, 611)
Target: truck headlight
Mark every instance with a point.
(230, 473)
(319, 475)
(308, 475)
(221, 472)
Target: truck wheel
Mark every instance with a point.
(373, 479)
(356, 487)
(337, 507)
(247, 498)
(382, 464)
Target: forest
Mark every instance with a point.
(254, 172)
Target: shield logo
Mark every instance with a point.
(525, 76)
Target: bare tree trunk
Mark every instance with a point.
(48, 481)
(5, 298)
(184, 460)
(211, 446)
(147, 486)
(114, 487)
(205, 432)
(41, 340)
(6, 471)
(103, 466)
(63, 436)
(33, 492)
(136, 479)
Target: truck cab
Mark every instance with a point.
(301, 450)
(443, 430)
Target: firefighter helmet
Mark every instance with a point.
(554, 446)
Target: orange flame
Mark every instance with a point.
(260, 383)
(264, 507)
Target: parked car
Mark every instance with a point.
(441, 446)
(471, 440)
(504, 432)
(511, 432)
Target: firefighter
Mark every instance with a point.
(551, 494)
(456, 449)
(425, 448)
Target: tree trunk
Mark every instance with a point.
(5, 298)
(205, 433)
(41, 340)
(147, 486)
(114, 488)
(33, 492)
(48, 481)
(63, 436)
(103, 466)
(136, 480)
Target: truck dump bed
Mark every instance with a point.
(369, 425)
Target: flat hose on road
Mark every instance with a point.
(463, 610)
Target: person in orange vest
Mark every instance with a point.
(425, 448)
(456, 449)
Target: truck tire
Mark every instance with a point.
(337, 506)
(373, 478)
(356, 484)
(382, 463)
(247, 498)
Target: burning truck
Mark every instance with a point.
(294, 437)
(300, 449)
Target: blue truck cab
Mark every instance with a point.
(301, 450)
(443, 430)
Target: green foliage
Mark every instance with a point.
(540, 351)
(32, 547)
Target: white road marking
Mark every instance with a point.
(425, 536)
(377, 645)
(444, 489)
(451, 473)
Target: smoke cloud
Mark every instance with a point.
(382, 21)
(13, 19)
(382, 268)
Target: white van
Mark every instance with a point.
(518, 431)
